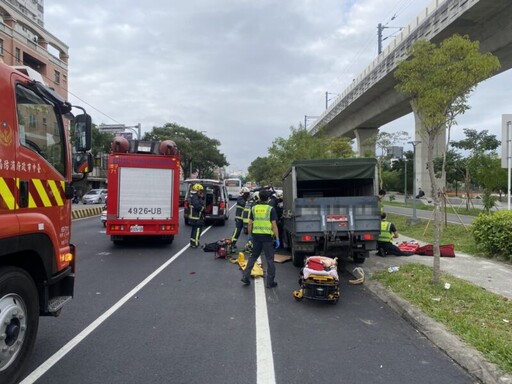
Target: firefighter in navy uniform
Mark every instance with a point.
(196, 217)
(239, 219)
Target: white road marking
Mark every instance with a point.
(54, 359)
(264, 357)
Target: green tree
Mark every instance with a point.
(339, 147)
(198, 152)
(399, 167)
(259, 171)
(300, 145)
(101, 141)
(382, 141)
(455, 167)
(479, 163)
(438, 81)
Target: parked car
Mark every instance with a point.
(216, 201)
(95, 196)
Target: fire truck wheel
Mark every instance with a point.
(19, 319)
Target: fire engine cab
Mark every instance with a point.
(37, 260)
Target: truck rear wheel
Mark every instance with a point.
(359, 259)
(297, 257)
(19, 320)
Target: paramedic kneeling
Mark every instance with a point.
(385, 241)
(264, 234)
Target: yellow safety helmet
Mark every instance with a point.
(197, 187)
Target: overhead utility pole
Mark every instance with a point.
(380, 28)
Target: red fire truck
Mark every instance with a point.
(37, 261)
(143, 190)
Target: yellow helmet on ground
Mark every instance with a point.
(197, 187)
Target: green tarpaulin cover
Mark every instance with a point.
(335, 169)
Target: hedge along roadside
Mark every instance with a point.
(493, 234)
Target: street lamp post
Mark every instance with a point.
(405, 179)
(509, 153)
(414, 219)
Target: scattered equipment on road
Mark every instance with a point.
(319, 280)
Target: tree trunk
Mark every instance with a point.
(436, 197)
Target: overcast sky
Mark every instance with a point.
(242, 71)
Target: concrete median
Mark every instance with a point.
(80, 213)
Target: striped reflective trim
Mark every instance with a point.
(6, 193)
(42, 193)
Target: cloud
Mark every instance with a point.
(243, 71)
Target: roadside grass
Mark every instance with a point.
(461, 210)
(450, 234)
(480, 318)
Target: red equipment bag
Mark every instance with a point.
(315, 263)
(408, 247)
(447, 250)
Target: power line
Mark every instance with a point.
(18, 61)
(396, 11)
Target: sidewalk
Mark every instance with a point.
(491, 275)
(494, 276)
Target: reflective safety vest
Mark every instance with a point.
(246, 211)
(261, 223)
(385, 232)
(239, 213)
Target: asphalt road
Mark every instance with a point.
(167, 314)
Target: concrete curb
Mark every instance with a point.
(86, 212)
(467, 357)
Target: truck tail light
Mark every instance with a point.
(307, 238)
(222, 205)
(367, 236)
(117, 227)
(167, 227)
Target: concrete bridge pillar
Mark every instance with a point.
(365, 144)
(422, 176)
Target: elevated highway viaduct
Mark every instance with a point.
(371, 101)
